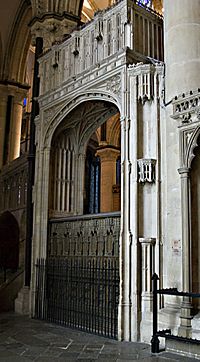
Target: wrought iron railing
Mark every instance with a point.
(166, 332)
(78, 284)
(79, 292)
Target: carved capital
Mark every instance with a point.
(52, 30)
(147, 241)
(108, 154)
(184, 172)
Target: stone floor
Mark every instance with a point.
(23, 339)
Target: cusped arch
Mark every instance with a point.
(193, 143)
(71, 105)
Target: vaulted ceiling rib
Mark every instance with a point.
(41, 7)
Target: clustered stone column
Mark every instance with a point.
(15, 127)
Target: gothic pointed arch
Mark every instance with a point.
(69, 149)
(189, 150)
(72, 104)
(18, 45)
(195, 218)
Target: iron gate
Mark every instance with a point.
(78, 285)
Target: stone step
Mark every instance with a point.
(185, 346)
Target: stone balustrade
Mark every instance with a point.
(102, 44)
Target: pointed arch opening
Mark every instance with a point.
(195, 223)
(84, 152)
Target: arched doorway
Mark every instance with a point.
(195, 223)
(9, 243)
(85, 149)
(82, 266)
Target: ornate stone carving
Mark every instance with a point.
(85, 236)
(186, 118)
(186, 109)
(186, 106)
(114, 85)
(51, 30)
(98, 110)
(49, 113)
(146, 170)
(94, 53)
(145, 80)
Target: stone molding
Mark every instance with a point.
(150, 241)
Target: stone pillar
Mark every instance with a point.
(182, 58)
(108, 157)
(3, 109)
(126, 327)
(182, 55)
(15, 127)
(148, 269)
(185, 326)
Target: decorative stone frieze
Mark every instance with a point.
(85, 236)
(114, 85)
(186, 107)
(146, 170)
(186, 110)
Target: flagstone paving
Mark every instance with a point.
(23, 340)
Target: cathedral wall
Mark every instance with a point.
(182, 50)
